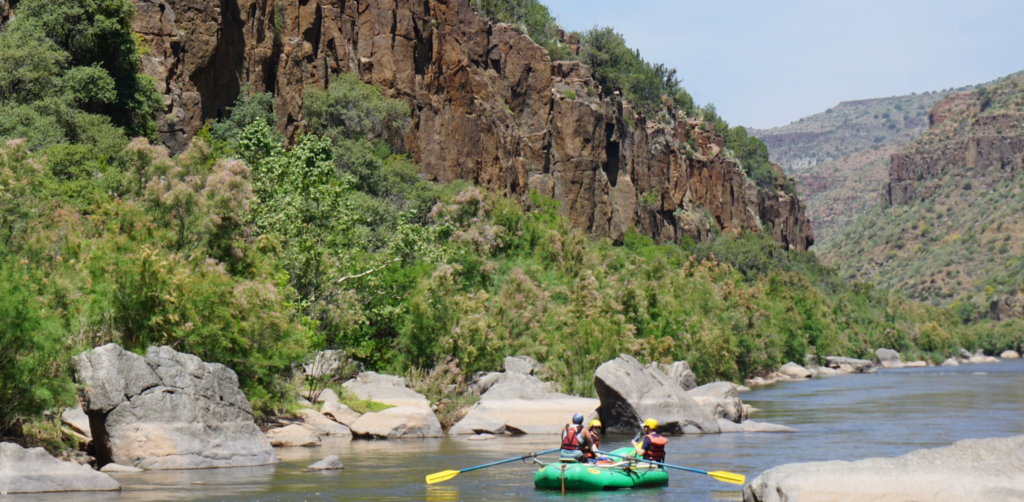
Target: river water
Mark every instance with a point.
(839, 418)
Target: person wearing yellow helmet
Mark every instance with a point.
(652, 447)
(595, 444)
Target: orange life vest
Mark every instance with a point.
(657, 450)
(571, 437)
(594, 446)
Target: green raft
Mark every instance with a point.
(576, 476)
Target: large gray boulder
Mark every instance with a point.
(721, 400)
(751, 426)
(321, 425)
(525, 365)
(294, 435)
(398, 423)
(77, 420)
(794, 370)
(851, 365)
(1010, 354)
(168, 411)
(32, 470)
(983, 470)
(386, 389)
(340, 413)
(680, 372)
(630, 393)
(889, 358)
(517, 403)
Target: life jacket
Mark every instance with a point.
(657, 450)
(594, 446)
(571, 437)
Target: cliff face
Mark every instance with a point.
(967, 138)
(488, 105)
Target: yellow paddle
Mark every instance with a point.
(723, 476)
(438, 477)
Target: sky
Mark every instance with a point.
(767, 63)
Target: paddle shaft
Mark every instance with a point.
(524, 457)
(698, 471)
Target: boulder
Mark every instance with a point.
(386, 389)
(324, 396)
(340, 413)
(293, 435)
(32, 470)
(915, 364)
(950, 362)
(752, 426)
(889, 358)
(168, 411)
(525, 365)
(721, 400)
(851, 365)
(521, 404)
(628, 391)
(118, 468)
(989, 470)
(1010, 354)
(331, 364)
(329, 463)
(77, 420)
(680, 372)
(965, 354)
(794, 370)
(321, 425)
(824, 371)
(759, 381)
(398, 423)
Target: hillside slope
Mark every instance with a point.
(949, 229)
(488, 105)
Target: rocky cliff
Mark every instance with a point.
(488, 105)
(976, 134)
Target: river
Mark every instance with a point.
(839, 418)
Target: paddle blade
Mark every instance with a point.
(438, 477)
(728, 477)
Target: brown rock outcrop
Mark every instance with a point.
(488, 105)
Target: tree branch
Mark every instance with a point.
(368, 272)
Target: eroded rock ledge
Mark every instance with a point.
(488, 105)
(989, 470)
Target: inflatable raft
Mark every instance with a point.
(572, 475)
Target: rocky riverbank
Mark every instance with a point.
(983, 470)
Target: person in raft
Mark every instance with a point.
(575, 439)
(591, 450)
(653, 445)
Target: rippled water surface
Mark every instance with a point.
(839, 418)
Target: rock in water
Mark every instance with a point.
(794, 370)
(293, 435)
(386, 389)
(123, 469)
(950, 362)
(398, 423)
(32, 470)
(752, 426)
(721, 400)
(1010, 354)
(982, 470)
(168, 411)
(889, 358)
(321, 425)
(851, 365)
(520, 404)
(630, 393)
(329, 463)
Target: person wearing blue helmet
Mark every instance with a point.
(575, 439)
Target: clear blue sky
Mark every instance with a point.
(765, 63)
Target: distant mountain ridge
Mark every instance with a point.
(948, 227)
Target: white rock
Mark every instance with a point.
(119, 468)
(1010, 354)
(950, 362)
(293, 435)
(386, 389)
(340, 413)
(329, 463)
(32, 470)
(398, 423)
(915, 364)
(322, 425)
(752, 426)
(794, 370)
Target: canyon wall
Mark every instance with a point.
(488, 105)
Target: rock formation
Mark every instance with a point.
(889, 358)
(989, 470)
(32, 470)
(630, 393)
(168, 411)
(387, 389)
(398, 423)
(488, 105)
(519, 403)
